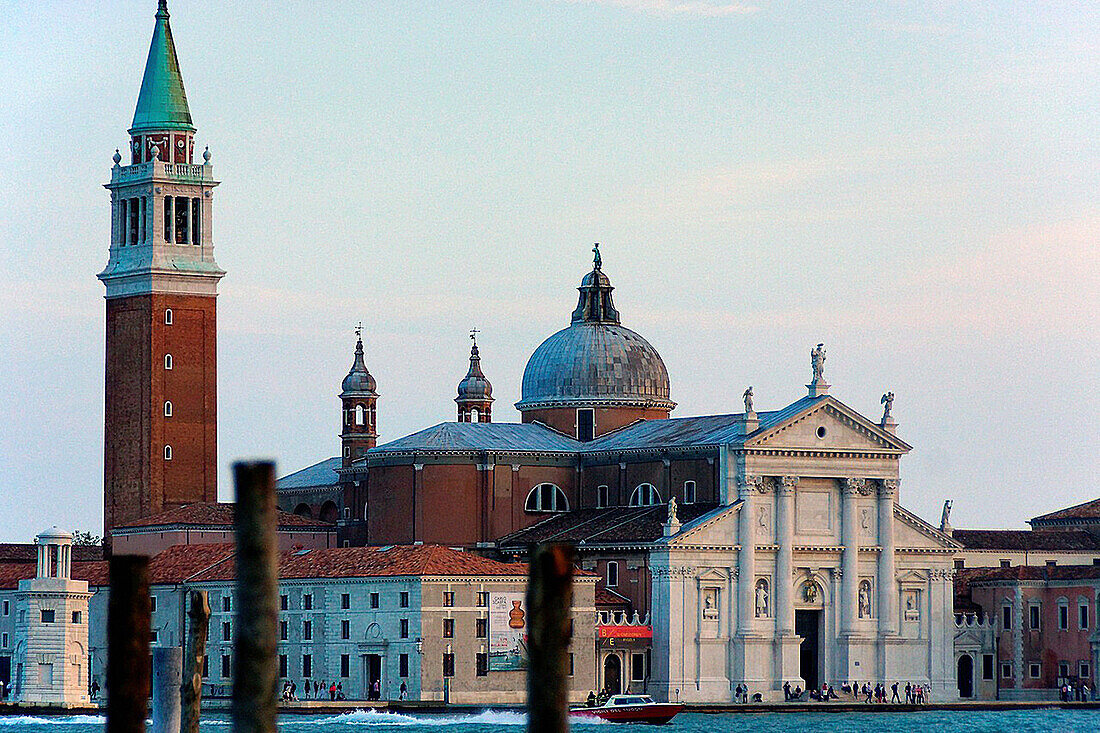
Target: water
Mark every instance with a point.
(934, 721)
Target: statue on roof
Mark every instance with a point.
(817, 361)
(945, 518)
(748, 400)
(672, 518)
(597, 261)
(888, 402)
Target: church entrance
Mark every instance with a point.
(807, 624)
(612, 674)
(372, 668)
(966, 676)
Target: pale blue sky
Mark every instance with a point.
(915, 184)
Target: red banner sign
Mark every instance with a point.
(625, 632)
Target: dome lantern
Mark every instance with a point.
(358, 397)
(475, 393)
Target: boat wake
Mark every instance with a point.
(381, 717)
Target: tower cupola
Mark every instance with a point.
(162, 126)
(475, 393)
(358, 397)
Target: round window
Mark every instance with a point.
(821, 432)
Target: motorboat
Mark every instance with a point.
(631, 709)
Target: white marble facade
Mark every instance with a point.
(811, 572)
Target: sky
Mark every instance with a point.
(917, 185)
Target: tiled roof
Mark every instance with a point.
(220, 514)
(1087, 510)
(12, 573)
(607, 597)
(1026, 540)
(21, 552)
(968, 577)
(479, 436)
(614, 525)
(319, 474)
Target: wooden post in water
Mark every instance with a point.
(128, 672)
(255, 676)
(191, 688)
(549, 600)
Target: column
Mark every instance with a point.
(784, 570)
(849, 559)
(887, 585)
(747, 486)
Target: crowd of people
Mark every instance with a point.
(313, 690)
(1075, 692)
(870, 694)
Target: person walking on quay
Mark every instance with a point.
(332, 691)
(894, 697)
(404, 694)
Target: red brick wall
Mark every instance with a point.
(391, 513)
(138, 481)
(564, 419)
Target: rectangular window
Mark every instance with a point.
(4, 640)
(345, 601)
(167, 218)
(227, 631)
(47, 616)
(448, 665)
(345, 629)
(586, 424)
(403, 665)
(196, 230)
(612, 574)
(1006, 618)
(307, 665)
(374, 600)
(1033, 670)
(483, 599)
(152, 604)
(448, 598)
(205, 665)
(1082, 616)
(283, 635)
(404, 599)
(689, 492)
(572, 667)
(227, 672)
(7, 608)
(404, 628)
(987, 666)
(481, 663)
(1084, 671)
(1063, 670)
(960, 564)
(482, 629)
(282, 665)
(307, 602)
(601, 496)
(448, 628)
(637, 667)
(154, 635)
(345, 665)
(76, 617)
(1063, 618)
(1006, 563)
(284, 603)
(1006, 670)
(307, 630)
(1033, 616)
(227, 603)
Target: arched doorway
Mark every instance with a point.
(303, 510)
(612, 674)
(329, 512)
(966, 676)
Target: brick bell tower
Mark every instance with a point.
(160, 429)
(358, 397)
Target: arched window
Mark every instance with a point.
(645, 495)
(167, 452)
(546, 498)
(360, 415)
(474, 415)
(612, 574)
(167, 316)
(167, 361)
(689, 492)
(168, 409)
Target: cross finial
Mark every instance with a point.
(597, 261)
(359, 330)
(473, 334)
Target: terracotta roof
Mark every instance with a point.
(1026, 540)
(968, 577)
(614, 525)
(21, 552)
(608, 597)
(1087, 510)
(11, 573)
(219, 514)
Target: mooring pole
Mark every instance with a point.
(549, 600)
(191, 687)
(128, 630)
(255, 678)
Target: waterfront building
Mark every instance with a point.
(433, 623)
(51, 628)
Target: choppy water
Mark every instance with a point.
(934, 721)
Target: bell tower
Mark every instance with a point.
(475, 394)
(358, 397)
(160, 428)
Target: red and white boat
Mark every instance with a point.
(631, 709)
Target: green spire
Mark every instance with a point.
(162, 102)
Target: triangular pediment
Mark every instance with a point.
(826, 424)
(714, 529)
(912, 532)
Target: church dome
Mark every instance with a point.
(359, 381)
(596, 361)
(474, 386)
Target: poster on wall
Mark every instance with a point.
(507, 632)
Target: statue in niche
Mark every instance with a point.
(817, 361)
(865, 520)
(710, 603)
(762, 518)
(809, 592)
(761, 598)
(748, 400)
(888, 403)
(865, 599)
